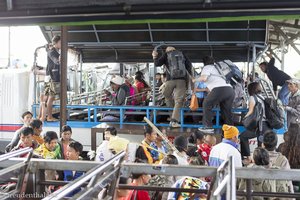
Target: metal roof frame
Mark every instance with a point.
(110, 43)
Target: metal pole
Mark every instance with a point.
(282, 55)
(231, 186)
(153, 85)
(63, 75)
(248, 189)
(253, 61)
(8, 64)
(80, 79)
(15, 153)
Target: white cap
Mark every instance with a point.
(118, 80)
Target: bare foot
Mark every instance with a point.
(52, 119)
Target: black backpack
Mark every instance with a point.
(229, 71)
(176, 65)
(274, 113)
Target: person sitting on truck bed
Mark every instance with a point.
(121, 91)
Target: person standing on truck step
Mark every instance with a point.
(177, 68)
(52, 79)
(221, 93)
(278, 78)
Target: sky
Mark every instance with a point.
(25, 39)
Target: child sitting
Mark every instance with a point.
(26, 140)
(204, 149)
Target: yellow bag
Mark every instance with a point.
(194, 103)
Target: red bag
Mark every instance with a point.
(194, 103)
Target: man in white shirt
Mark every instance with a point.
(221, 93)
(228, 147)
(112, 145)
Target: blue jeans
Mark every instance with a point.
(283, 94)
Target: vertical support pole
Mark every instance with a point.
(8, 63)
(282, 54)
(63, 75)
(121, 69)
(80, 78)
(153, 86)
(253, 60)
(248, 62)
(231, 186)
(75, 79)
(248, 189)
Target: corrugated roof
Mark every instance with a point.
(135, 42)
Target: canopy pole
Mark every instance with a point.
(63, 76)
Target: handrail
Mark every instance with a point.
(131, 98)
(265, 90)
(148, 111)
(15, 153)
(81, 180)
(226, 177)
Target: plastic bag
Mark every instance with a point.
(194, 103)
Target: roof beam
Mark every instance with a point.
(286, 38)
(96, 33)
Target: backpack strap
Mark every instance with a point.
(220, 72)
(261, 113)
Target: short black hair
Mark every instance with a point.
(136, 176)
(170, 159)
(181, 143)
(26, 113)
(111, 129)
(158, 74)
(66, 128)
(270, 140)
(55, 39)
(195, 135)
(148, 130)
(77, 146)
(197, 160)
(264, 63)
(26, 131)
(208, 60)
(254, 88)
(36, 123)
(261, 156)
(49, 136)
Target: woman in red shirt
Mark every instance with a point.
(139, 180)
(141, 84)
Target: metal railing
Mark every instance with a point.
(225, 180)
(106, 176)
(95, 177)
(137, 98)
(204, 171)
(22, 167)
(150, 112)
(94, 97)
(268, 90)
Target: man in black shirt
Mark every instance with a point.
(52, 78)
(277, 77)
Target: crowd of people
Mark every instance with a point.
(200, 148)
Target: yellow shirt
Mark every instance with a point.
(117, 144)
